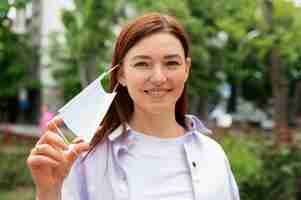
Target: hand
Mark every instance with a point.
(51, 159)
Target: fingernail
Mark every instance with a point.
(78, 140)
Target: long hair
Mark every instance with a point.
(122, 107)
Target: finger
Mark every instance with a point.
(49, 151)
(35, 161)
(75, 150)
(54, 123)
(53, 139)
(77, 140)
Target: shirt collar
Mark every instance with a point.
(194, 125)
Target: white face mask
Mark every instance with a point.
(83, 114)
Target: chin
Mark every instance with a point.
(158, 109)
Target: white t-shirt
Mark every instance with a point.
(167, 175)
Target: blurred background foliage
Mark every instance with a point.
(16, 54)
(261, 170)
(235, 37)
(15, 178)
(241, 39)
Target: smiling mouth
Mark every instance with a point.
(157, 92)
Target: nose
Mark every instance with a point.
(158, 76)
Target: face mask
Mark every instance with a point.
(83, 114)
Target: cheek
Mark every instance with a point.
(178, 80)
(131, 77)
(134, 84)
(179, 84)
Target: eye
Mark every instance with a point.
(141, 65)
(172, 64)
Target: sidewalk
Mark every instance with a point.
(21, 131)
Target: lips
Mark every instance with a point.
(157, 92)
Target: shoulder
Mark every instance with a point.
(211, 154)
(202, 133)
(210, 145)
(216, 164)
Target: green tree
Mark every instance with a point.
(15, 53)
(88, 43)
(281, 45)
(263, 43)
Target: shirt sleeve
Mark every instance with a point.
(234, 187)
(74, 186)
(232, 182)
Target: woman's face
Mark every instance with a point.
(154, 72)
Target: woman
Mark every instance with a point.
(147, 147)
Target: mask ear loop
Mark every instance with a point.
(108, 72)
(111, 69)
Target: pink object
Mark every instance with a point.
(46, 116)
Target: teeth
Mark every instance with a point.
(156, 93)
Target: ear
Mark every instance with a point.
(120, 77)
(187, 67)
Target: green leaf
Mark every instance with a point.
(4, 7)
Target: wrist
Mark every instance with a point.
(48, 194)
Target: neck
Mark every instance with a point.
(161, 124)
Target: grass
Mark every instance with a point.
(15, 180)
(24, 193)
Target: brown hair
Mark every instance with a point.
(122, 107)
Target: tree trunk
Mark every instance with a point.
(280, 96)
(279, 84)
(296, 105)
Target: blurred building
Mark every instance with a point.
(27, 20)
(51, 22)
(40, 18)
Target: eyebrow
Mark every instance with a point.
(148, 57)
(141, 57)
(172, 56)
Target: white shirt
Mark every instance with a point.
(167, 176)
(102, 176)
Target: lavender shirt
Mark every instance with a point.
(102, 177)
